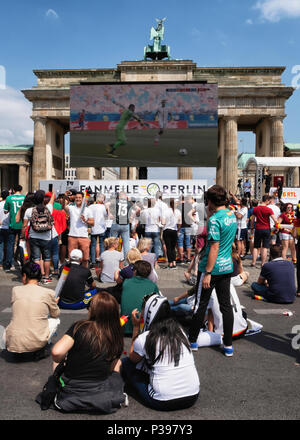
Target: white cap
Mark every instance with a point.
(76, 254)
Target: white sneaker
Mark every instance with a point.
(126, 402)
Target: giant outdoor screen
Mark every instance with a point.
(144, 124)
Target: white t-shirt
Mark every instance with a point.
(150, 218)
(162, 206)
(77, 227)
(133, 242)
(242, 222)
(276, 212)
(4, 218)
(168, 382)
(171, 219)
(48, 235)
(99, 213)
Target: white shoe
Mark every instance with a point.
(126, 402)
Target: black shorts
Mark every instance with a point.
(241, 234)
(64, 237)
(262, 238)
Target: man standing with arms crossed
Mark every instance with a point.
(81, 218)
(216, 267)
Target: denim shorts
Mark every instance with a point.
(40, 248)
(184, 237)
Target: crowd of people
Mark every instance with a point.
(87, 241)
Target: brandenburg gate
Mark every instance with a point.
(250, 99)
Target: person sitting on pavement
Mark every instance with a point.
(144, 246)
(132, 256)
(160, 366)
(73, 294)
(110, 261)
(212, 332)
(89, 354)
(30, 330)
(276, 282)
(134, 289)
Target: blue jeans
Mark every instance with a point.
(54, 253)
(259, 288)
(124, 232)
(181, 306)
(40, 248)
(94, 239)
(12, 234)
(155, 236)
(107, 232)
(263, 291)
(80, 304)
(139, 381)
(184, 237)
(3, 245)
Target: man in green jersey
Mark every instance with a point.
(126, 115)
(216, 267)
(12, 205)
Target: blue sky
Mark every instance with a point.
(51, 34)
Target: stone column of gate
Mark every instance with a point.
(24, 177)
(123, 173)
(39, 152)
(276, 147)
(220, 153)
(185, 173)
(230, 155)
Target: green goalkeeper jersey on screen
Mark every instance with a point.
(120, 128)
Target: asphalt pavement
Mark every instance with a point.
(261, 380)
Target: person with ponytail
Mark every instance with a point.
(160, 366)
(90, 351)
(31, 328)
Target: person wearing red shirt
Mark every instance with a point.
(262, 235)
(287, 217)
(296, 234)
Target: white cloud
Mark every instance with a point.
(275, 10)
(16, 126)
(52, 14)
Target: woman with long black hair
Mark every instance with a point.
(160, 366)
(91, 350)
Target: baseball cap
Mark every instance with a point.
(73, 191)
(76, 254)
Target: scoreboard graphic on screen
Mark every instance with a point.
(144, 124)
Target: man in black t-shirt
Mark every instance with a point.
(184, 235)
(73, 294)
(120, 209)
